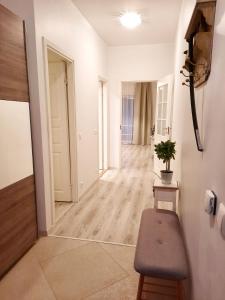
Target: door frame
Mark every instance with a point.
(47, 45)
(105, 98)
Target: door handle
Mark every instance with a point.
(167, 129)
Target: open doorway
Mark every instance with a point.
(138, 118)
(62, 134)
(102, 128)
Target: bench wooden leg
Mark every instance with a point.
(179, 290)
(140, 287)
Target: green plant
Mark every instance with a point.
(166, 151)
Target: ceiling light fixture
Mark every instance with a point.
(130, 20)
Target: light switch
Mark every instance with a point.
(221, 219)
(210, 202)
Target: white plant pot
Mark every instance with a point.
(166, 176)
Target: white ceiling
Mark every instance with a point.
(159, 24)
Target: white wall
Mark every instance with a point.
(63, 25)
(133, 63)
(201, 171)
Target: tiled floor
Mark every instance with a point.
(68, 269)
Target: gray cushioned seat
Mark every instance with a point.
(160, 250)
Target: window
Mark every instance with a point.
(127, 119)
(162, 109)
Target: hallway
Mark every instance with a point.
(110, 211)
(78, 78)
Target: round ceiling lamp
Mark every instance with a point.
(130, 20)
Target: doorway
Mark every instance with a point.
(102, 127)
(62, 134)
(137, 122)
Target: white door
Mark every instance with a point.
(60, 131)
(163, 116)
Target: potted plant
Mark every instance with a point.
(166, 151)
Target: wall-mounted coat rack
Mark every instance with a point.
(199, 54)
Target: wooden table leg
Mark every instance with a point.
(155, 203)
(140, 287)
(175, 204)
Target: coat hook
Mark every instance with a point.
(183, 83)
(182, 72)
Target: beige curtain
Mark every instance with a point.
(143, 113)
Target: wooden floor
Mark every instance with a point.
(61, 208)
(111, 210)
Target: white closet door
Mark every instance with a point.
(60, 131)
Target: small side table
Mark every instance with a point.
(165, 192)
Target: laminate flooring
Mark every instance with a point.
(61, 208)
(111, 210)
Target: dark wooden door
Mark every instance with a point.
(18, 222)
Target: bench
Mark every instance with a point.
(160, 252)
